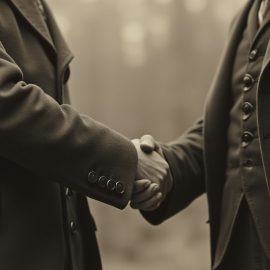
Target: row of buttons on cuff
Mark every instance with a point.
(103, 182)
(106, 183)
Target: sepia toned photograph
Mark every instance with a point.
(134, 135)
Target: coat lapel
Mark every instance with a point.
(266, 60)
(216, 120)
(64, 55)
(263, 98)
(31, 13)
(50, 33)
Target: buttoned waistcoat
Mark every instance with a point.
(198, 158)
(244, 174)
(51, 157)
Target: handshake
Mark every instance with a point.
(153, 177)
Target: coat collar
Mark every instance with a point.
(53, 37)
(31, 13)
(266, 60)
(64, 54)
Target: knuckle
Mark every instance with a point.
(162, 174)
(160, 177)
(166, 166)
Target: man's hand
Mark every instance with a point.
(154, 171)
(148, 144)
(151, 165)
(146, 195)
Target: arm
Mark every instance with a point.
(185, 159)
(57, 143)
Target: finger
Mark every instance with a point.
(154, 207)
(151, 191)
(141, 185)
(149, 204)
(148, 144)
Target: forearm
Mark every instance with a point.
(185, 158)
(58, 143)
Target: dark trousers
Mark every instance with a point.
(244, 251)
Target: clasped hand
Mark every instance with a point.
(153, 178)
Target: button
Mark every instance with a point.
(247, 109)
(68, 193)
(102, 181)
(248, 82)
(120, 189)
(248, 163)
(111, 185)
(253, 55)
(92, 177)
(73, 226)
(247, 137)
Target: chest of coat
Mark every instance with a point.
(36, 60)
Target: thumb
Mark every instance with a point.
(148, 144)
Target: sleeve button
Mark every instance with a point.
(111, 185)
(102, 181)
(92, 177)
(120, 189)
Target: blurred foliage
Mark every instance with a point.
(144, 66)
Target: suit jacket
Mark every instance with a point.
(46, 147)
(198, 158)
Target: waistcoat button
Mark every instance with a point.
(248, 82)
(253, 55)
(248, 163)
(247, 137)
(247, 109)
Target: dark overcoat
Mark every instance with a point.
(198, 158)
(51, 157)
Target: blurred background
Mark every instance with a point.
(144, 66)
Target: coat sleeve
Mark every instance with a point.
(58, 144)
(185, 158)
